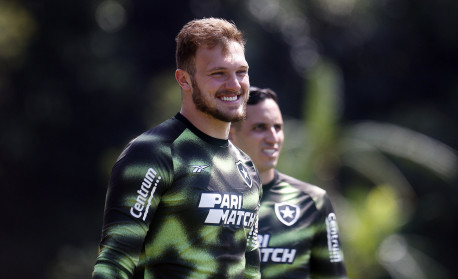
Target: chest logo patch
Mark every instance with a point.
(287, 213)
(244, 173)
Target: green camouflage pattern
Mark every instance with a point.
(298, 232)
(180, 204)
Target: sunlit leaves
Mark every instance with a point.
(16, 29)
(376, 207)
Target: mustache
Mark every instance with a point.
(229, 92)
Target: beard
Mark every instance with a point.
(204, 106)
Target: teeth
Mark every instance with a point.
(269, 151)
(229, 99)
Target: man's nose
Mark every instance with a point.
(233, 83)
(271, 135)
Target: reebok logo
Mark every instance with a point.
(140, 209)
(198, 169)
(226, 209)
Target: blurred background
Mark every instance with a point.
(369, 92)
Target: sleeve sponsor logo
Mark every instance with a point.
(145, 195)
(244, 173)
(335, 254)
(253, 236)
(287, 213)
(226, 209)
(274, 254)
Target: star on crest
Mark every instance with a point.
(287, 212)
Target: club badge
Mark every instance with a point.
(244, 173)
(287, 213)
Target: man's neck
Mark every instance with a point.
(267, 176)
(208, 124)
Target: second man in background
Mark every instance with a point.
(298, 232)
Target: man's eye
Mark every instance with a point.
(259, 128)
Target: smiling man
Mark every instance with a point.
(298, 232)
(182, 200)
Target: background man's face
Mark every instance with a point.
(261, 134)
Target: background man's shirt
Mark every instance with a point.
(298, 232)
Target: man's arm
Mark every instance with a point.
(133, 194)
(327, 259)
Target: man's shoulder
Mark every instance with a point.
(305, 187)
(166, 131)
(319, 195)
(155, 140)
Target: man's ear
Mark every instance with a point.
(184, 79)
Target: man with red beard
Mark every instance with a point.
(298, 233)
(182, 200)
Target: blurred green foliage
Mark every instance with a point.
(16, 30)
(376, 210)
(368, 88)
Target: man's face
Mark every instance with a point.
(261, 134)
(220, 83)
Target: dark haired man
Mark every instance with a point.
(298, 232)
